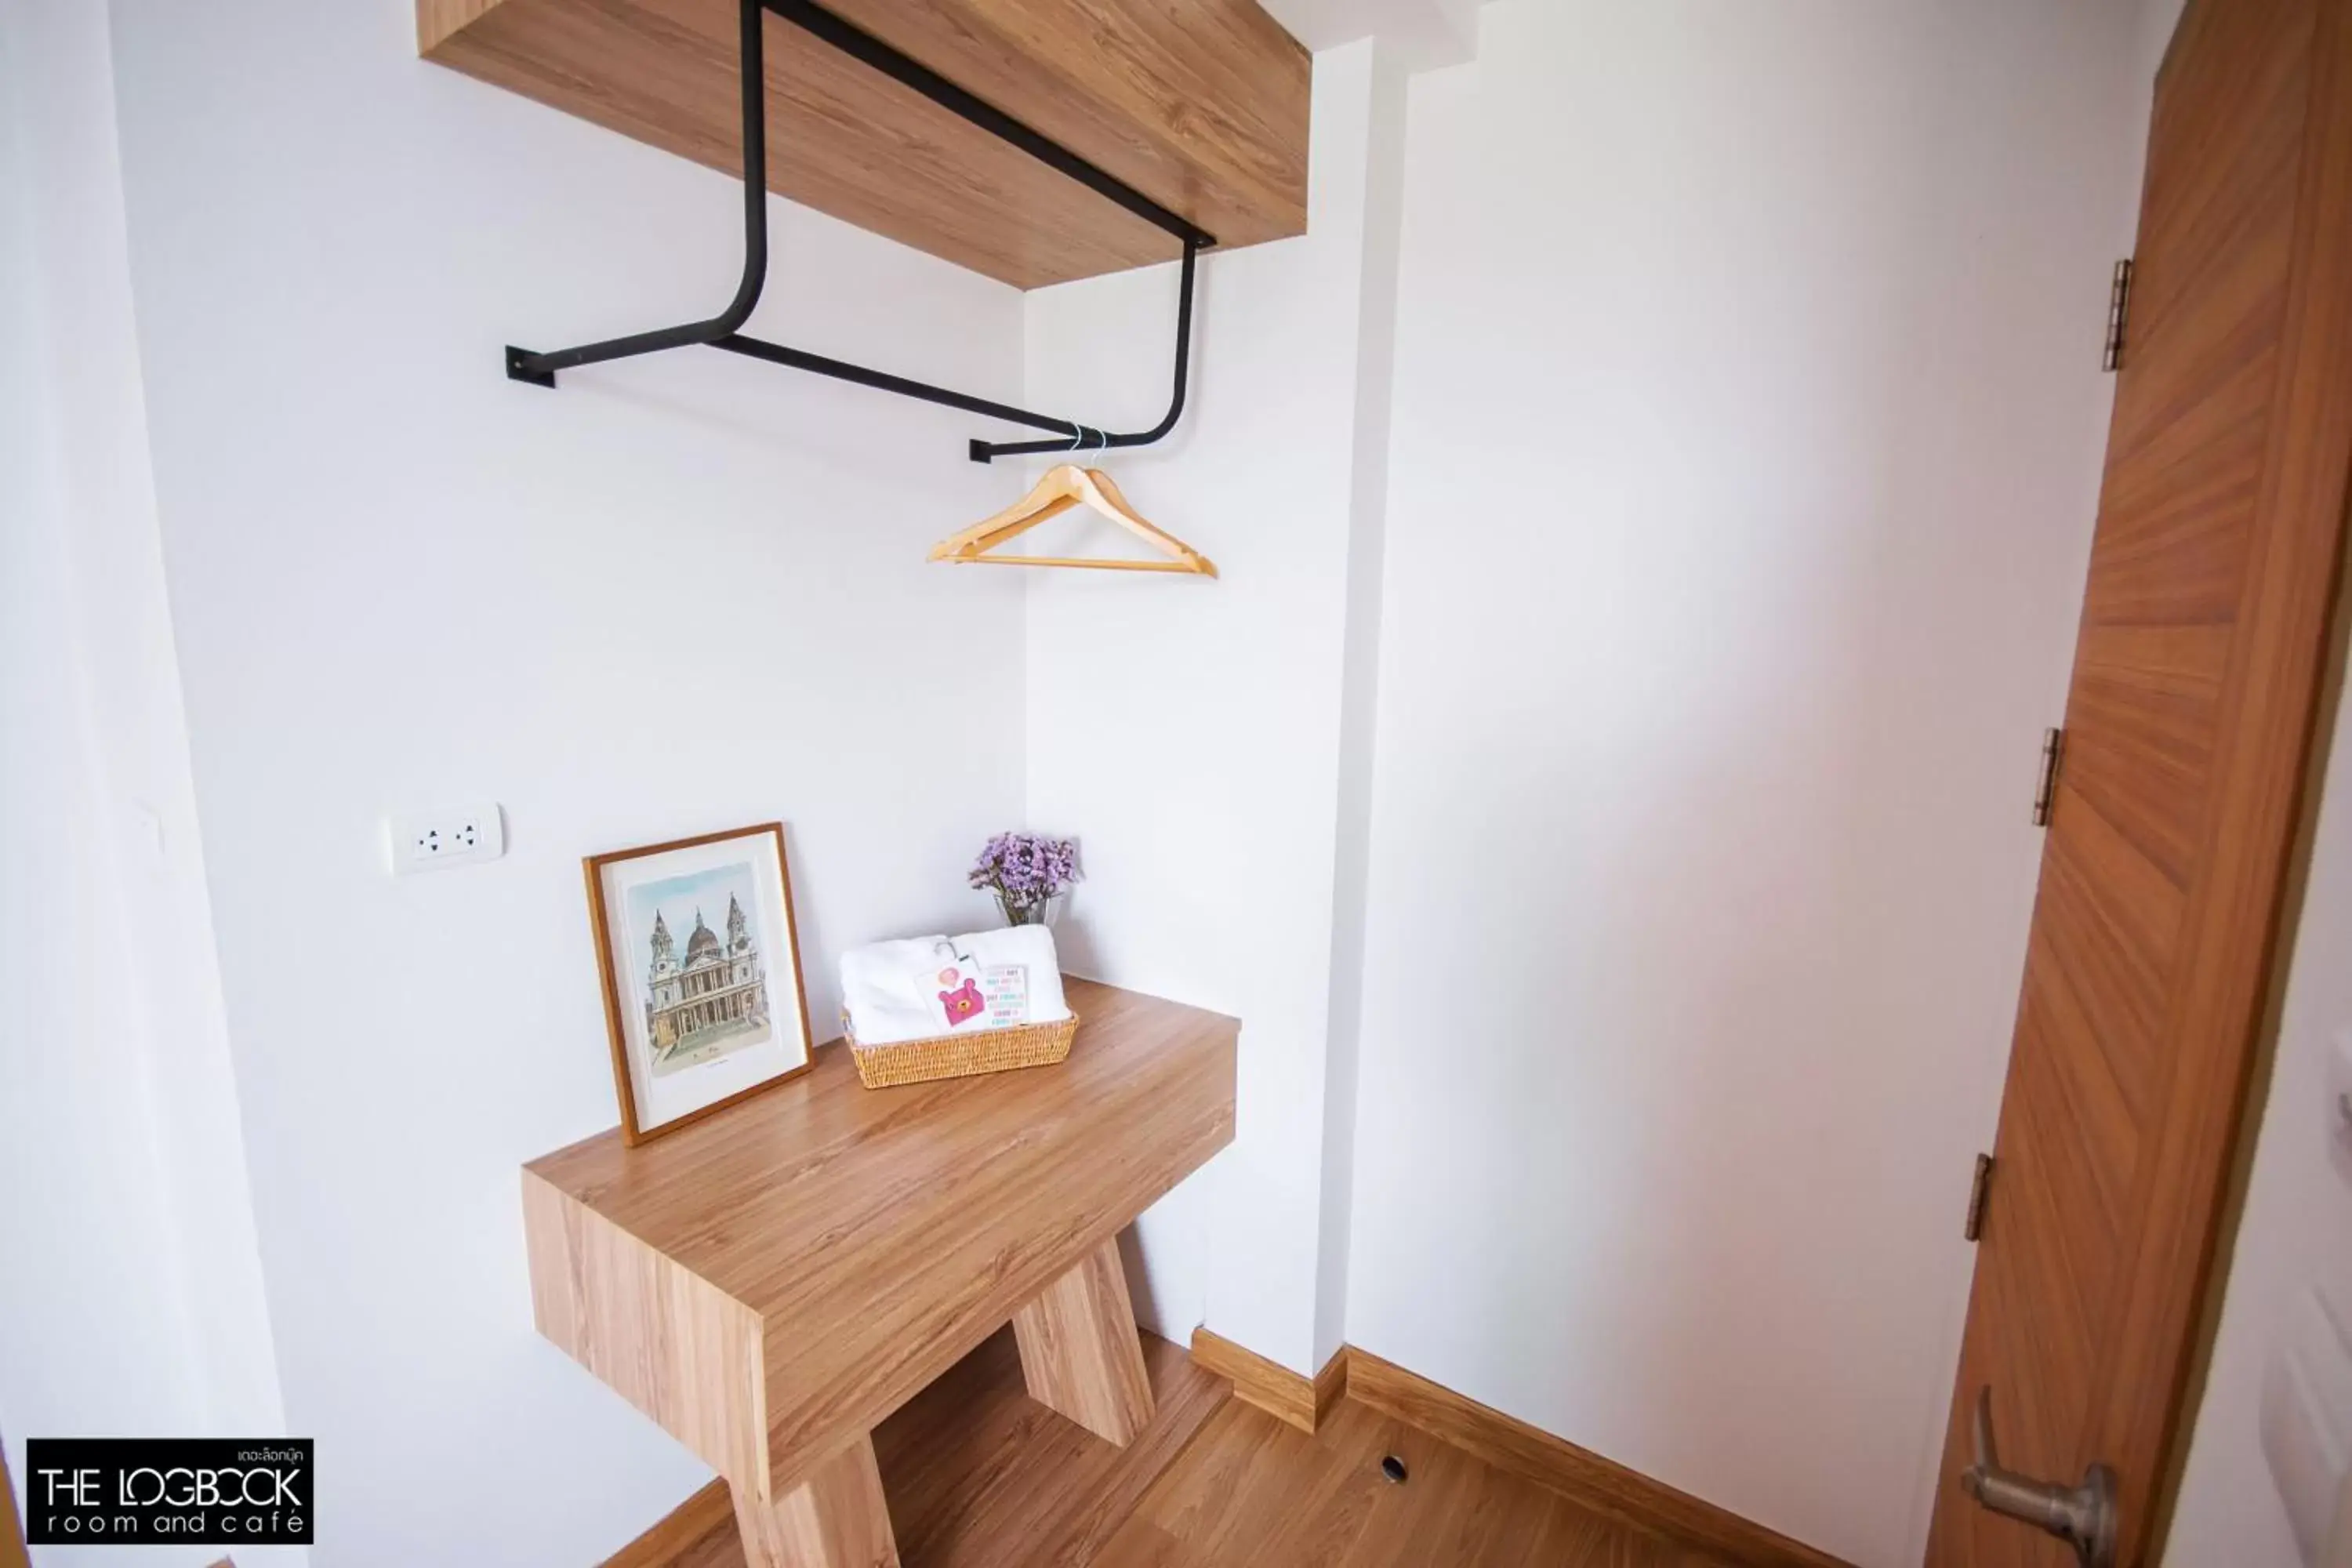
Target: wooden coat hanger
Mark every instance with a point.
(1066, 486)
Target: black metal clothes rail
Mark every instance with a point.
(720, 331)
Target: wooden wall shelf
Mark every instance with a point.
(1201, 107)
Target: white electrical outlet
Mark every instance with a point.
(454, 836)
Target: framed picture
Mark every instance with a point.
(702, 977)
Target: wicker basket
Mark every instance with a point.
(961, 1056)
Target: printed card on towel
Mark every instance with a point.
(955, 991)
(969, 994)
(1006, 987)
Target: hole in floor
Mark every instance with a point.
(1393, 1468)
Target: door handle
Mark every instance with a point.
(2083, 1517)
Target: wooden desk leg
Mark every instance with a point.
(835, 1517)
(1079, 1351)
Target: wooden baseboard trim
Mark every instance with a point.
(1603, 1485)
(1330, 1385)
(1290, 1398)
(679, 1529)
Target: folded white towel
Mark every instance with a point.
(930, 986)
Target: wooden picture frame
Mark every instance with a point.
(698, 1021)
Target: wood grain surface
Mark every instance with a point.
(1201, 107)
(1255, 1492)
(1079, 1352)
(681, 1351)
(1606, 1489)
(863, 1240)
(1284, 1394)
(979, 1475)
(833, 1516)
(2188, 721)
(700, 1533)
(12, 1534)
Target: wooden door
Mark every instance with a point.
(2188, 721)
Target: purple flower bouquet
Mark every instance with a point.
(1027, 872)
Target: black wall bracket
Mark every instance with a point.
(720, 331)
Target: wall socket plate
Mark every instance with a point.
(449, 835)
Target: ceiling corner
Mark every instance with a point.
(1424, 34)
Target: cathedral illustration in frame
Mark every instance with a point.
(698, 1007)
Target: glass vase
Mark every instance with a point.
(1043, 912)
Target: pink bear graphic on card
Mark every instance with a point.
(962, 1005)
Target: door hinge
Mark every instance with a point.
(2118, 311)
(1979, 1189)
(2045, 788)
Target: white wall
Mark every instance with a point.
(681, 595)
(1626, 970)
(1382, 221)
(131, 1297)
(1748, 431)
(2295, 1231)
(1190, 733)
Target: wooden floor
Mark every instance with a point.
(981, 1475)
(1251, 1491)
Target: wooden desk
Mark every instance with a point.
(771, 1283)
